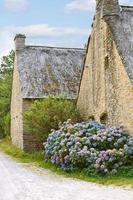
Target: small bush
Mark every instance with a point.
(46, 114)
(89, 145)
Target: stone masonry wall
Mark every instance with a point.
(91, 99)
(124, 112)
(106, 93)
(16, 110)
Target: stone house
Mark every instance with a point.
(106, 89)
(40, 71)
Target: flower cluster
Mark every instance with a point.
(89, 144)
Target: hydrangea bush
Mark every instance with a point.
(89, 145)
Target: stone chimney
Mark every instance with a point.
(108, 7)
(99, 5)
(19, 42)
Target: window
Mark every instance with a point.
(104, 118)
(106, 62)
(92, 118)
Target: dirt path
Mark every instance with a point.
(19, 182)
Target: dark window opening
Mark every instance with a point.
(106, 62)
(92, 118)
(104, 118)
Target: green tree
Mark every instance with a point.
(6, 65)
(6, 68)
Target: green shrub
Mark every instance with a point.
(46, 114)
(7, 122)
(89, 145)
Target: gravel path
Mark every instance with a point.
(21, 182)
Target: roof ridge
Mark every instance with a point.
(53, 47)
(123, 6)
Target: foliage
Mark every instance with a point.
(7, 64)
(46, 114)
(5, 93)
(89, 145)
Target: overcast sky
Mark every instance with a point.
(64, 23)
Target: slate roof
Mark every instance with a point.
(122, 31)
(47, 71)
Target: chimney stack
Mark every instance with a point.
(19, 42)
(108, 7)
(99, 5)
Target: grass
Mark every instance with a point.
(123, 178)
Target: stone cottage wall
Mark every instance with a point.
(19, 135)
(16, 110)
(91, 99)
(106, 93)
(124, 95)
